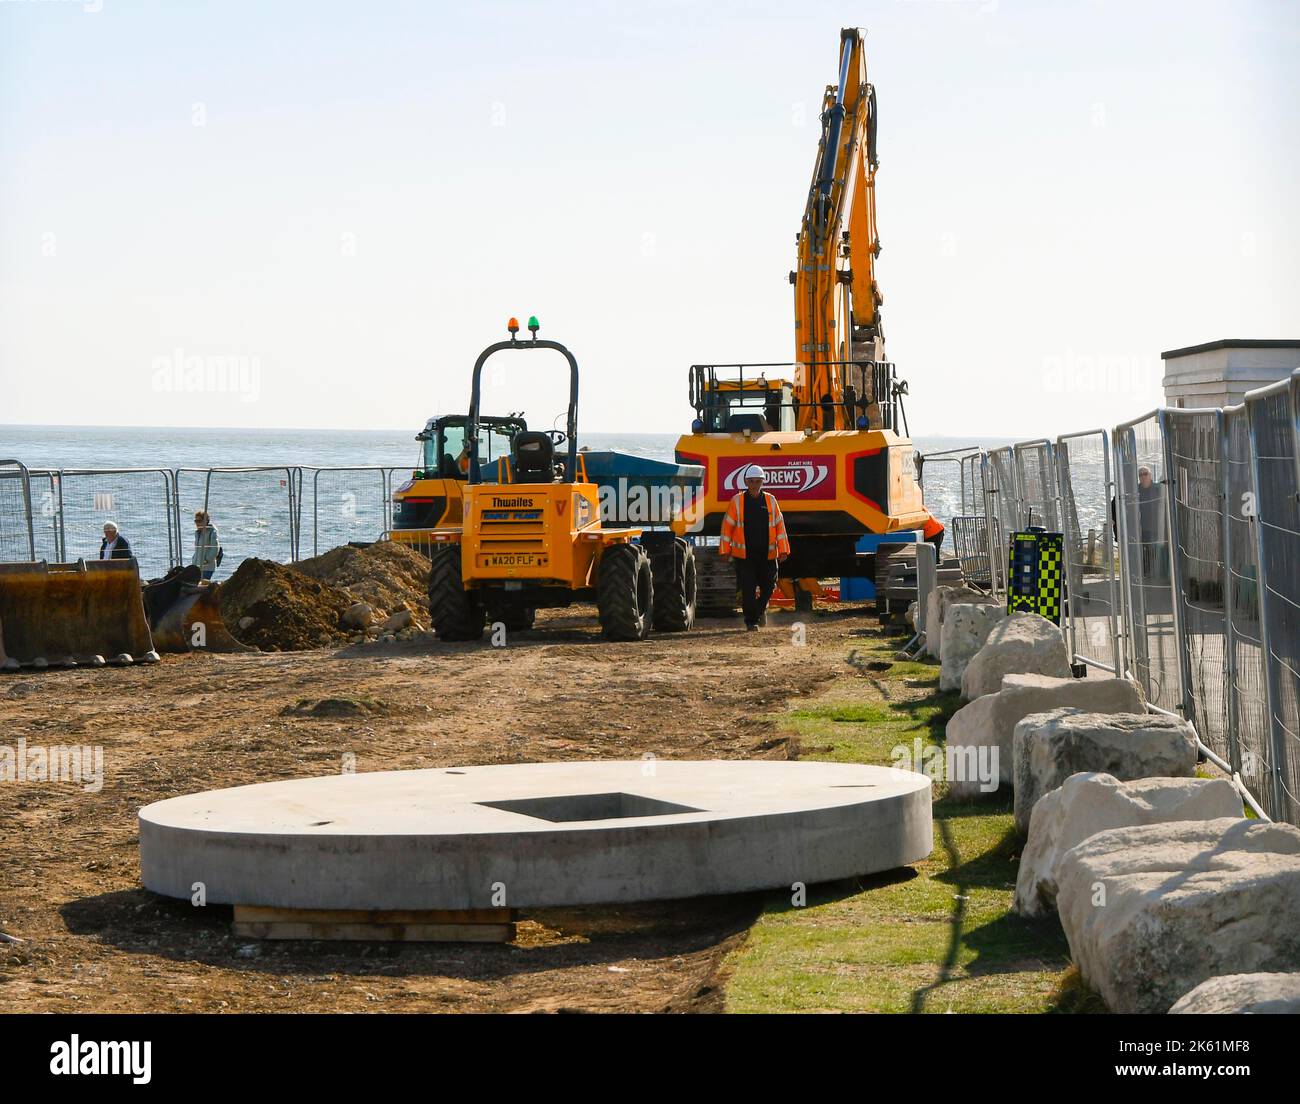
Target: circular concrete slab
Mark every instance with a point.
(535, 835)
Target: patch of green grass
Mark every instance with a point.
(939, 936)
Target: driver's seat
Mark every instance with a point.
(534, 457)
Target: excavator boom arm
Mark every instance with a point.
(836, 298)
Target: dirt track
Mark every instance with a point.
(95, 941)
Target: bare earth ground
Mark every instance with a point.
(95, 941)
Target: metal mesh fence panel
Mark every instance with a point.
(1002, 510)
(1248, 715)
(940, 477)
(47, 528)
(138, 502)
(253, 510)
(1086, 494)
(972, 485)
(347, 504)
(1144, 561)
(1194, 454)
(17, 540)
(1273, 433)
(970, 538)
(1035, 485)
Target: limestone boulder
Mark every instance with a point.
(357, 616)
(1151, 912)
(965, 628)
(1249, 994)
(1086, 804)
(1049, 747)
(397, 621)
(1022, 644)
(990, 721)
(936, 608)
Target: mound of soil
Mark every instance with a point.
(388, 576)
(344, 708)
(290, 611)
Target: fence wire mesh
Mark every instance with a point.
(347, 504)
(1194, 450)
(254, 511)
(1086, 494)
(1272, 416)
(1142, 514)
(970, 538)
(1002, 510)
(17, 539)
(1248, 716)
(1035, 485)
(138, 502)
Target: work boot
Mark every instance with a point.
(751, 628)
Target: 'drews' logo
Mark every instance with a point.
(802, 476)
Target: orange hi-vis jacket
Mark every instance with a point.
(932, 527)
(733, 529)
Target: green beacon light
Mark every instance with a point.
(533, 324)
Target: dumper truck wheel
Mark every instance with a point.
(454, 613)
(674, 574)
(625, 592)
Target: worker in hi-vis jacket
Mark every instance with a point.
(753, 535)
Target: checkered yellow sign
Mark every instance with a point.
(1034, 572)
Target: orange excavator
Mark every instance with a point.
(829, 429)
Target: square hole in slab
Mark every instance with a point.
(566, 808)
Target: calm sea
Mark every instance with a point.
(253, 509)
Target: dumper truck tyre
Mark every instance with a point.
(675, 586)
(453, 611)
(625, 593)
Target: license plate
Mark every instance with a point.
(512, 559)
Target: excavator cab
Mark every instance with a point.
(736, 404)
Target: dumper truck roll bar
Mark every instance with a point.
(571, 422)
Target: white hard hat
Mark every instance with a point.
(755, 472)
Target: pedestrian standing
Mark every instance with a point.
(207, 545)
(114, 546)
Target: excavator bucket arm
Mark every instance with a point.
(185, 614)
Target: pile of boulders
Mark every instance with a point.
(1170, 898)
(363, 623)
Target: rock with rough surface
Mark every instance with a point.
(936, 609)
(966, 626)
(1049, 747)
(1151, 912)
(1086, 804)
(357, 616)
(990, 721)
(1022, 644)
(1249, 994)
(397, 621)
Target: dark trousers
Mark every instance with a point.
(757, 580)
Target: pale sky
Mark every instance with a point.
(353, 198)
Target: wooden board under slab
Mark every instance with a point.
(402, 926)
